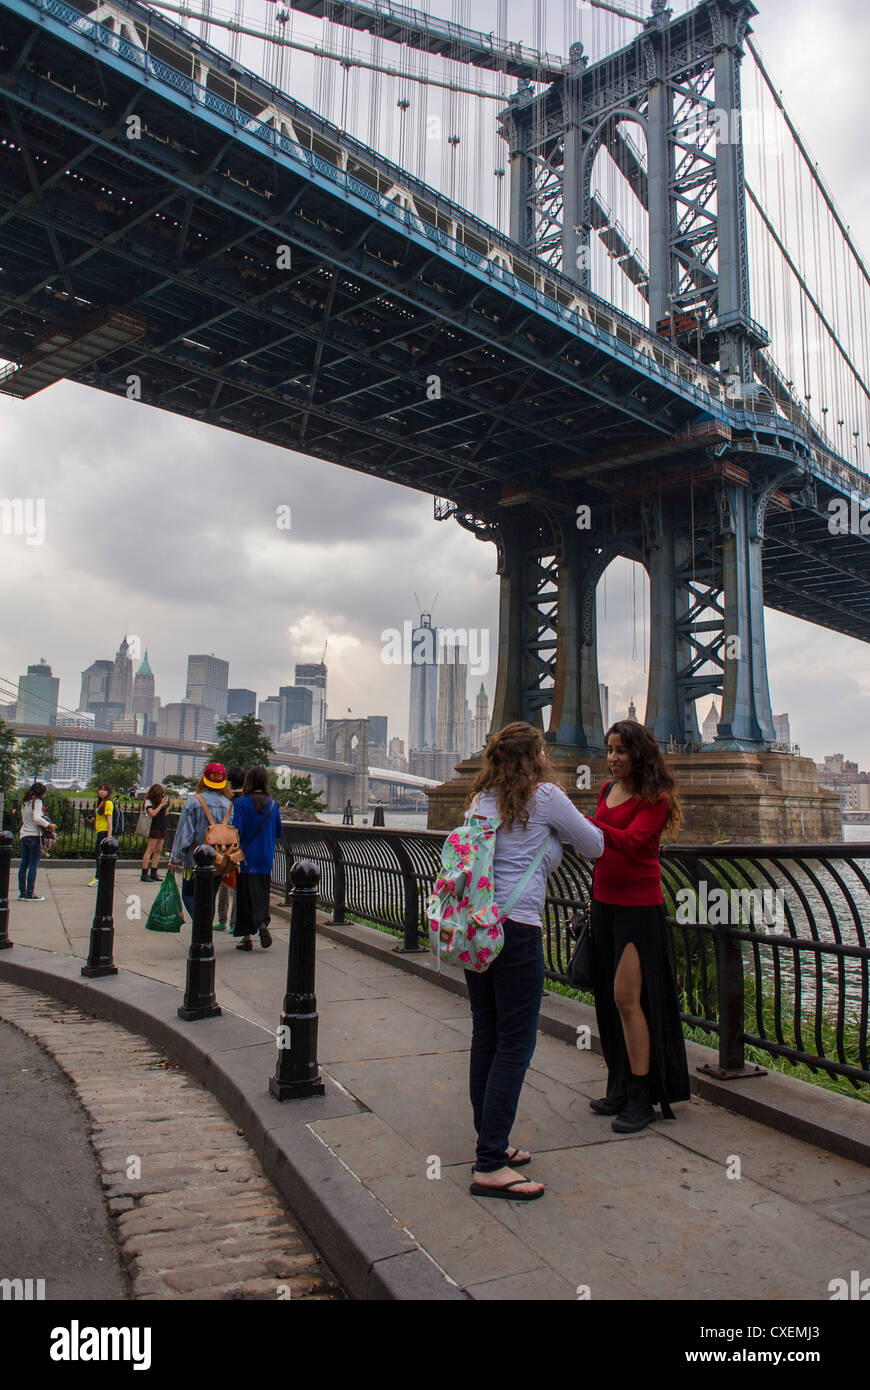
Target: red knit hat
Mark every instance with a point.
(215, 776)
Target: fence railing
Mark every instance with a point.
(770, 942)
(76, 838)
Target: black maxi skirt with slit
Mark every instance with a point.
(252, 903)
(612, 929)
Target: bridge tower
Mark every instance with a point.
(676, 90)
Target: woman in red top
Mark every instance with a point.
(634, 978)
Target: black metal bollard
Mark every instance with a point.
(199, 998)
(99, 960)
(296, 1072)
(6, 842)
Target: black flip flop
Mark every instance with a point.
(523, 1162)
(479, 1190)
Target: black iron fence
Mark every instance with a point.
(770, 942)
(75, 830)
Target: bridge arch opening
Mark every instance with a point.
(618, 222)
(623, 622)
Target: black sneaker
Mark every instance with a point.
(265, 938)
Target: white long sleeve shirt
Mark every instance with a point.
(553, 817)
(33, 822)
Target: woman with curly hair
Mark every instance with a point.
(633, 956)
(515, 784)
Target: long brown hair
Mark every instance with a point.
(515, 762)
(650, 776)
(101, 804)
(155, 794)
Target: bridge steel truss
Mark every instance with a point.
(407, 340)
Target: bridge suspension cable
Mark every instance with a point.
(810, 284)
(807, 157)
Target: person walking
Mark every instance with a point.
(257, 818)
(103, 813)
(634, 977)
(33, 822)
(193, 824)
(157, 809)
(226, 904)
(515, 783)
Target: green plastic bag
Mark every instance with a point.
(166, 913)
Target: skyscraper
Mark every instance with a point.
(37, 695)
(121, 679)
(452, 703)
(313, 674)
(423, 716)
(187, 721)
(269, 715)
(241, 702)
(144, 700)
(207, 683)
(95, 685)
(297, 705)
(74, 760)
(710, 726)
(481, 719)
(782, 729)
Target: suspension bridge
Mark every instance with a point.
(635, 324)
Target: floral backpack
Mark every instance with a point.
(465, 925)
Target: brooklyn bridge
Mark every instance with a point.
(177, 230)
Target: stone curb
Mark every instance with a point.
(784, 1103)
(369, 1253)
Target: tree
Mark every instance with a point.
(36, 755)
(121, 773)
(241, 741)
(7, 759)
(295, 791)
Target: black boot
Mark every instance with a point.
(638, 1111)
(609, 1105)
(153, 877)
(143, 877)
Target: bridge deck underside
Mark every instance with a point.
(377, 348)
(332, 356)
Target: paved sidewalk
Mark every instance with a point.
(652, 1216)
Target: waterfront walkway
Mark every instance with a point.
(660, 1215)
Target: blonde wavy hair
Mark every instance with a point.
(515, 763)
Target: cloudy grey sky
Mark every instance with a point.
(144, 509)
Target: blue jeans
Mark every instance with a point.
(187, 890)
(31, 853)
(505, 1005)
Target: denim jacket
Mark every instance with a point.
(192, 824)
